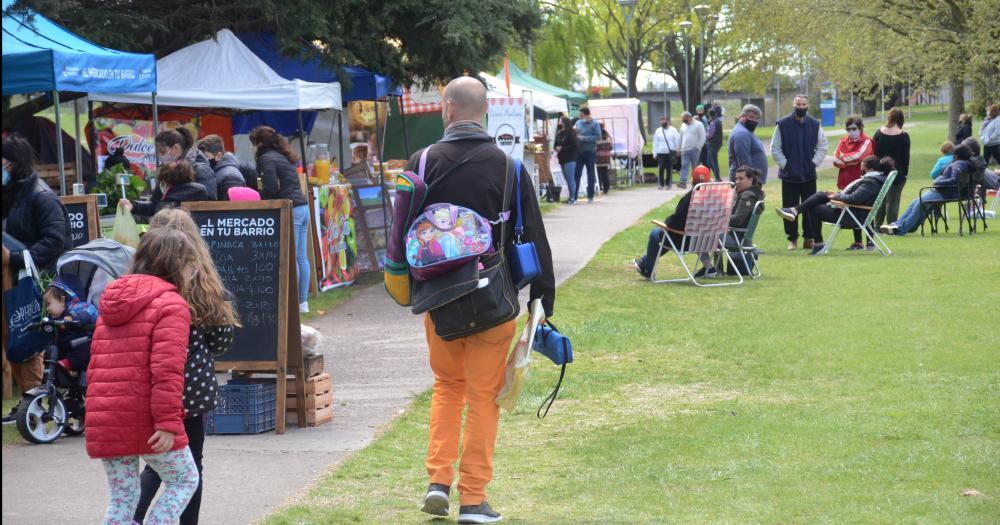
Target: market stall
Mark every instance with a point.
(41, 56)
(621, 120)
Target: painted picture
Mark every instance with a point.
(337, 235)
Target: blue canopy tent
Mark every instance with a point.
(360, 84)
(40, 55)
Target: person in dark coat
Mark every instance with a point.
(276, 165)
(567, 150)
(227, 168)
(964, 128)
(178, 144)
(676, 221)
(32, 215)
(861, 192)
(175, 185)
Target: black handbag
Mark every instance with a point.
(494, 300)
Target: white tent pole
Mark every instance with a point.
(59, 146)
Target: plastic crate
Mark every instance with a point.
(245, 407)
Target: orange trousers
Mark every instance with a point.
(467, 371)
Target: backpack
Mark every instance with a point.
(408, 212)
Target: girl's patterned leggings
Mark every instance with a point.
(179, 475)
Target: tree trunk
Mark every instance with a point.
(956, 106)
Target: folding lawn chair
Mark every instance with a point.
(746, 247)
(870, 231)
(707, 222)
(937, 209)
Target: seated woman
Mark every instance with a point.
(676, 221)
(947, 155)
(175, 184)
(945, 187)
(861, 192)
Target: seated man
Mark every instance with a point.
(748, 192)
(945, 188)
(676, 221)
(861, 192)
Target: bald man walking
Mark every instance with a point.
(469, 371)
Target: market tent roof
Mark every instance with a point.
(223, 73)
(41, 55)
(518, 76)
(621, 120)
(364, 84)
(544, 101)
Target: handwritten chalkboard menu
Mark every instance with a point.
(81, 210)
(253, 250)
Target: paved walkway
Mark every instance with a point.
(375, 352)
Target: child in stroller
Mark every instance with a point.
(57, 405)
(63, 301)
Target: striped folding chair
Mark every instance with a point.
(704, 231)
(870, 231)
(744, 237)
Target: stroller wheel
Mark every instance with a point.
(36, 424)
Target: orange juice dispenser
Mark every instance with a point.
(321, 162)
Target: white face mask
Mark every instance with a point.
(855, 135)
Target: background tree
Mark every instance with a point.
(567, 47)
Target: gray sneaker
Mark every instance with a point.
(436, 499)
(481, 513)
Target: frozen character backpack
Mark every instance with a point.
(428, 241)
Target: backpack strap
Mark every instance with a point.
(519, 222)
(508, 186)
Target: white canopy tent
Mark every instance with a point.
(543, 101)
(223, 73)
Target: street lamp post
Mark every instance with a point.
(701, 10)
(628, 9)
(686, 26)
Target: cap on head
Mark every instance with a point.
(70, 284)
(699, 106)
(701, 174)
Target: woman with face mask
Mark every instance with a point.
(178, 144)
(32, 215)
(853, 148)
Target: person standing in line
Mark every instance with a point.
(589, 132)
(276, 164)
(135, 380)
(213, 320)
(852, 149)
(469, 371)
(989, 135)
(665, 142)
(692, 140)
(34, 216)
(227, 168)
(798, 147)
(964, 130)
(567, 150)
(603, 156)
(745, 149)
(701, 116)
(891, 141)
(713, 136)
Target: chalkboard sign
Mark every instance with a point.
(253, 249)
(84, 223)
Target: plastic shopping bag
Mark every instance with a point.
(23, 304)
(516, 373)
(125, 230)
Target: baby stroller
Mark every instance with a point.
(57, 405)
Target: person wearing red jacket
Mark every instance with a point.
(853, 148)
(136, 379)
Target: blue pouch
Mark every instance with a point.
(523, 259)
(550, 343)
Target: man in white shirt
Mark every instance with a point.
(692, 140)
(665, 142)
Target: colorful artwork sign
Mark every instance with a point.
(134, 139)
(337, 235)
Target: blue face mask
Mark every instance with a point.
(6, 176)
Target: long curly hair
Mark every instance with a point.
(207, 296)
(165, 253)
(265, 138)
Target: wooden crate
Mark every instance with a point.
(314, 364)
(319, 399)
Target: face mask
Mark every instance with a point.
(168, 158)
(801, 112)
(750, 125)
(6, 176)
(855, 135)
(664, 125)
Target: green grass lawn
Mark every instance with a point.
(851, 388)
